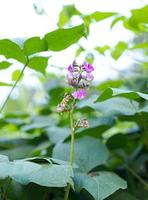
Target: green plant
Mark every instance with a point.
(40, 154)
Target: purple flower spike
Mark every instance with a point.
(71, 68)
(88, 67)
(79, 94)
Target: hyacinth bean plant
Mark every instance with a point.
(79, 77)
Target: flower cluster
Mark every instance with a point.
(79, 77)
(82, 123)
(63, 106)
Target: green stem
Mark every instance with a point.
(13, 87)
(72, 125)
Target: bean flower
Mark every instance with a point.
(79, 77)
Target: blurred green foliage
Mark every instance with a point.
(112, 154)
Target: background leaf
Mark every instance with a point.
(35, 45)
(62, 38)
(99, 186)
(4, 65)
(96, 152)
(114, 92)
(24, 172)
(11, 50)
(38, 63)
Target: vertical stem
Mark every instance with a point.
(67, 188)
(72, 138)
(13, 87)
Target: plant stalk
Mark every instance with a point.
(72, 125)
(13, 87)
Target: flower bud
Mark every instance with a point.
(63, 106)
(79, 94)
(82, 123)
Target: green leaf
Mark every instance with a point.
(5, 84)
(118, 106)
(65, 15)
(38, 63)
(117, 19)
(118, 50)
(62, 38)
(89, 152)
(39, 122)
(79, 51)
(99, 184)
(111, 83)
(17, 152)
(16, 74)
(4, 65)
(115, 92)
(139, 16)
(11, 50)
(117, 141)
(24, 172)
(61, 134)
(35, 45)
(122, 195)
(98, 16)
(102, 49)
(143, 45)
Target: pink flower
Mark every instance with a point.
(79, 94)
(70, 75)
(87, 76)
(88, 67)
(71, 68)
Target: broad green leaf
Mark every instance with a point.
(61, 134)
(4, 65)
(16, 74)
(118, 50)
(111, 106)
(139, 16)
(98, 16)
(38, 123)
(115, 92)
(11, 50)
(17, 152)
(89, 152)
(65, 15)
(62, 38)
(111, 83)
(24, 172)
(99, 184)
(34, 45)
(118, 106)
(38, 63)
